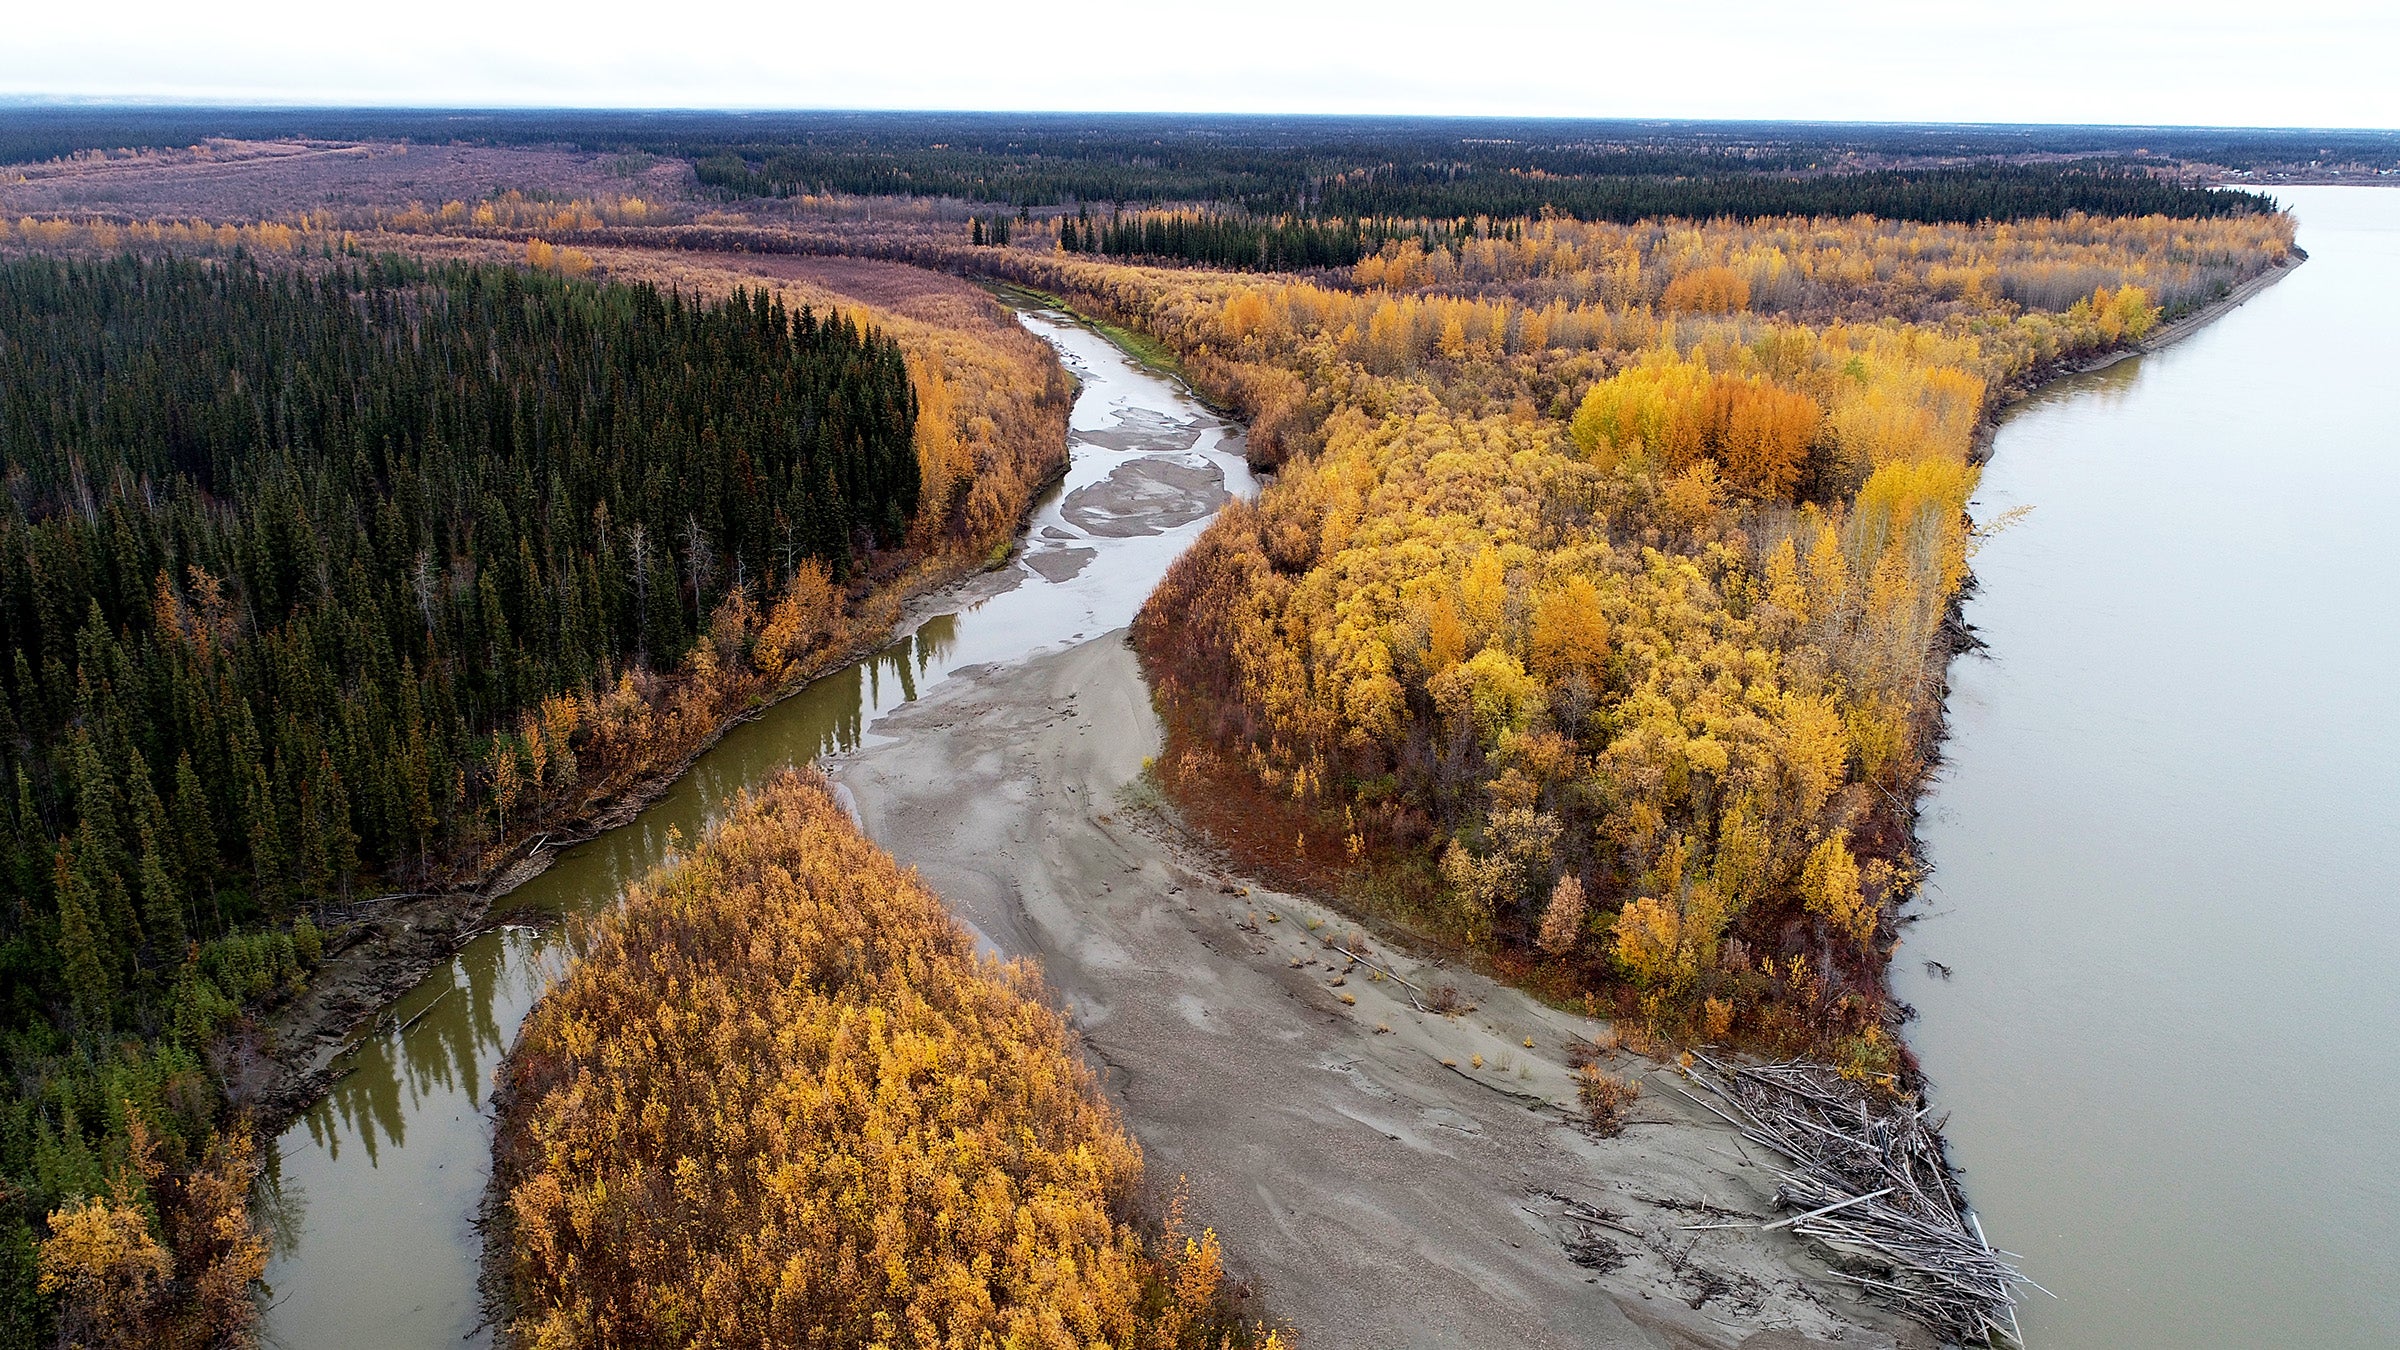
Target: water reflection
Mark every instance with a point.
(2107, 387)
(370, 1196)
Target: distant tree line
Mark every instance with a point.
(286, 559)
(1225, 239)
(1050, 172)
(1265, 164)
(1221, 238)
(1963, 195)
(1588, 189)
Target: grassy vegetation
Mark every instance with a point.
(1141, 346)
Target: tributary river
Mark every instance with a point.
(371, 1196)
(2166, 840)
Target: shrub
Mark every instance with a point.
(1606, 1098)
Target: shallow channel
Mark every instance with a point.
(371, 1195)
(2167, 837)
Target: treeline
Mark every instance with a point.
(1219, 239)
(780, 1100)
(310, 582)
(1965, 195)
(1260, 166)
(1296, 224)
(1392, 209)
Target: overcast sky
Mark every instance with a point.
(2221, 62)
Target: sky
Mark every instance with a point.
(2325, 63)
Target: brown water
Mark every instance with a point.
(2167, 838)
(372, 1193)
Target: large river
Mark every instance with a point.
(371, 1196)
(2167, 837)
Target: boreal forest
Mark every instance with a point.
(303, 574)
(365, 528)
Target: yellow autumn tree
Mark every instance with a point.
(1830, 889)
(107, 1272)
(1634, 538)
(781, 1100)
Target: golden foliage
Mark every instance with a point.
(1715, 289)
(572, 262)
(108, 1273)
(114, 1277)
(1646, 532)
(782, 1101)
(1829, 887)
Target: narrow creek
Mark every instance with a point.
(2165, 904)
(370, 1196)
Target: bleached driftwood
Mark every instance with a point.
(1871, 1175)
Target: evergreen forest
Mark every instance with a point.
(1353, 216)
(297, 572)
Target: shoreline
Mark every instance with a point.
(285, 1064)
(1380, 1172)
(400, 946)
(2164, 336)
(1956, 637)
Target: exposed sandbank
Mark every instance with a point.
(1378, 1188)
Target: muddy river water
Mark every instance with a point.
(371, 1195)
(2167, 838)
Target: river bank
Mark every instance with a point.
(281, 1068)
(373, 1191)
(2161, 839)
(2157, 340)
(1384, 1176)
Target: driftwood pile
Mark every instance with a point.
(1871, 1179)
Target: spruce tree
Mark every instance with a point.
(162, 909)
(91, 991)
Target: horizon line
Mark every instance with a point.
(163, 103)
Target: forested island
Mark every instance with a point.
(1591, 633)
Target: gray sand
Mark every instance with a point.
(1145, 496)
(1060, 564)
(1372, 1195)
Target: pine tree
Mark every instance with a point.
(333, 821)
(267, 866)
